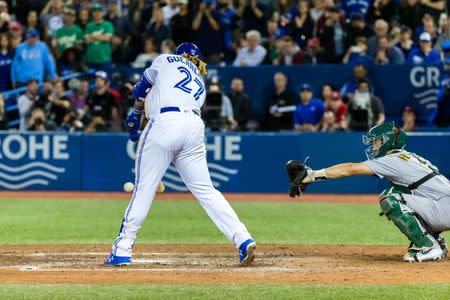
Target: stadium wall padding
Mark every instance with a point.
(238, 162)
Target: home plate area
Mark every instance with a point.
(204, 264)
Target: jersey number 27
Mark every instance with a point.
(185, 82)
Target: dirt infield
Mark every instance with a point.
(205, 264)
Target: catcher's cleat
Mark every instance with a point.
(443, 245)
(425, 253)
(247, 252)
(117, 261)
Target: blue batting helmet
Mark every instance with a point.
(188, 48)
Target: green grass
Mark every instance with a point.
(97, 221)
(316, 292)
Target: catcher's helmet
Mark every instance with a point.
(188, 48)
(390, 135)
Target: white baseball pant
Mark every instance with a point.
(178, 138)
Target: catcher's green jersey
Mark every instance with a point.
(405, 168)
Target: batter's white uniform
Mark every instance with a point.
(175, 134)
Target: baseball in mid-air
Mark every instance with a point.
(128, 187)
(161, 187)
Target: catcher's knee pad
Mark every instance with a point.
(403, 217)
(390, 206)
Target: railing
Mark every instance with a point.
(10, 98)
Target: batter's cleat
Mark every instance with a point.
(425, 253)
(247, 252)
(117, 261)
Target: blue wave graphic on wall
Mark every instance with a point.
(219, 175)
(34, 173)
(427, 98)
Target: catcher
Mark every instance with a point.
(418, 202)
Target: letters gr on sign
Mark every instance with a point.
(425, 80)
(421, 76)
(26, 159)
(220, 150)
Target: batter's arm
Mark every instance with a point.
(338, 171)
(133, 121)
(139, 105)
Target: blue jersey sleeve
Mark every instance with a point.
(434, 58)
(320, 110)
(297, 117)
(49, 62)
(141, 89)
(411, 55)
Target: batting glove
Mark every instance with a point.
(133, 121)
(134, 136)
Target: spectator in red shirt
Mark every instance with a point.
(334, 117)
(15, 31)
(290, 53)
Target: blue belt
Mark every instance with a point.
(175, 108)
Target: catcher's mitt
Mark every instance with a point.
(296, 171)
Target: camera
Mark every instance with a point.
(356, 49)
(212, 110)
(71, 117)
(38, 122)
(97, 111)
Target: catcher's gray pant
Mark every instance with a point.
(435, 212)
(178, 138)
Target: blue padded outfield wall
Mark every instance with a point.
(397, 85)
(247, 162)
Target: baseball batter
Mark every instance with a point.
(418, 202)
(172, 91)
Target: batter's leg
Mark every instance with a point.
(193, 169)
(152, 161)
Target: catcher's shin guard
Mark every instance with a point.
(403, 217)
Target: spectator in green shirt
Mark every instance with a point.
(97, 36)
(70, 35)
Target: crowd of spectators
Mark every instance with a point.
(350, 107)
(41, 40)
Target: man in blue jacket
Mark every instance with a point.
(425, 53)
(309, 113)
(32, 61)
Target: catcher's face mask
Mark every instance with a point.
(375, 145)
